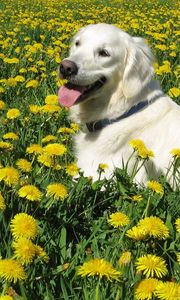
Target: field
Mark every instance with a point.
(67, 239)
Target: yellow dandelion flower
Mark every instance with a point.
(19, 78)
(11, 270)
(6, 297)
(24, 165)
(51, 99)
(2, 202)
(144, 290)
(55, 149)
(9, 175)
(41, 253)
(48, 161)
(151, 265)
(137, 198)
(118, 219)
(49, 138)
(65, 130)
(24, 225)
(72, 169)
(178, 257)
(99, 267)
(57, 191)
(155, 187)
(34, 149)
(30, 192)
(125, 258)
(141, 149)
(13, 60)
(103, 167)
(136, 233)
(13, 113)
(177, 223)
(24, 250)
(11, 82)
(2, 105)
(168, 291)
(32, 83)
(6, 146)
(10, 136)
(50, 108)
(154, 227)
(75, 127)
(34, 109)
(175, 152)
(174, 92)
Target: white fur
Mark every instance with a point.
(129, 70)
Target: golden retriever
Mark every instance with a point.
(112, 94)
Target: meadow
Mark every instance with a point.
(76, 239)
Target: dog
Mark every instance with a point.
(111, 92)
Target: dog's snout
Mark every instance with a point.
(68, 68)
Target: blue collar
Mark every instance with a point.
(98, 125)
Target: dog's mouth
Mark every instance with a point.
(70, 94)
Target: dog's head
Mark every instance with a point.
(102, 56)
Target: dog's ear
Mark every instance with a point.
(138, 67)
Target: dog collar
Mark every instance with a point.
(98, 125)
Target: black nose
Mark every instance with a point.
(68, 68)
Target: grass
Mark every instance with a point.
(74, 229)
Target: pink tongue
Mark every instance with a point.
(68, 95)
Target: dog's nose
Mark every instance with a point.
(68, 68)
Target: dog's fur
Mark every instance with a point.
(129, 72)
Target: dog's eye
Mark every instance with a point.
(77, 43)
(103, 52)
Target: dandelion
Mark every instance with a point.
(34, 149)
(2, 202)
(118, 219)
(30, 192)
(175, 152)
(19, 78)
(177, 223)
(178, 257)
(144, 290)
(34, 109)
(48, 161)
(39, 251)
(125, 258)
(51, 99)
(24, 225)
(174, 92)
(6, 297)
(49, 138)
(65, 130)
(11, 270)
(55, 149)
(151, 265)
(136, 233)
(137, 198)
(10, 136)
(141, 149)
(24, 250)
(9, 175)
(72, 169)
(98, 267)
(155, 187)
(57, 191)
(51, 109)
(32, 84)
(13, 60)
(168, 291)
(75, 127)
(5, 146)
(154, 227)
(103, 167)
(13, 113)
(2, 105)
(24, 165)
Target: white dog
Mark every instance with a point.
(113, 96)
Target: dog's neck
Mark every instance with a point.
(112, 105)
